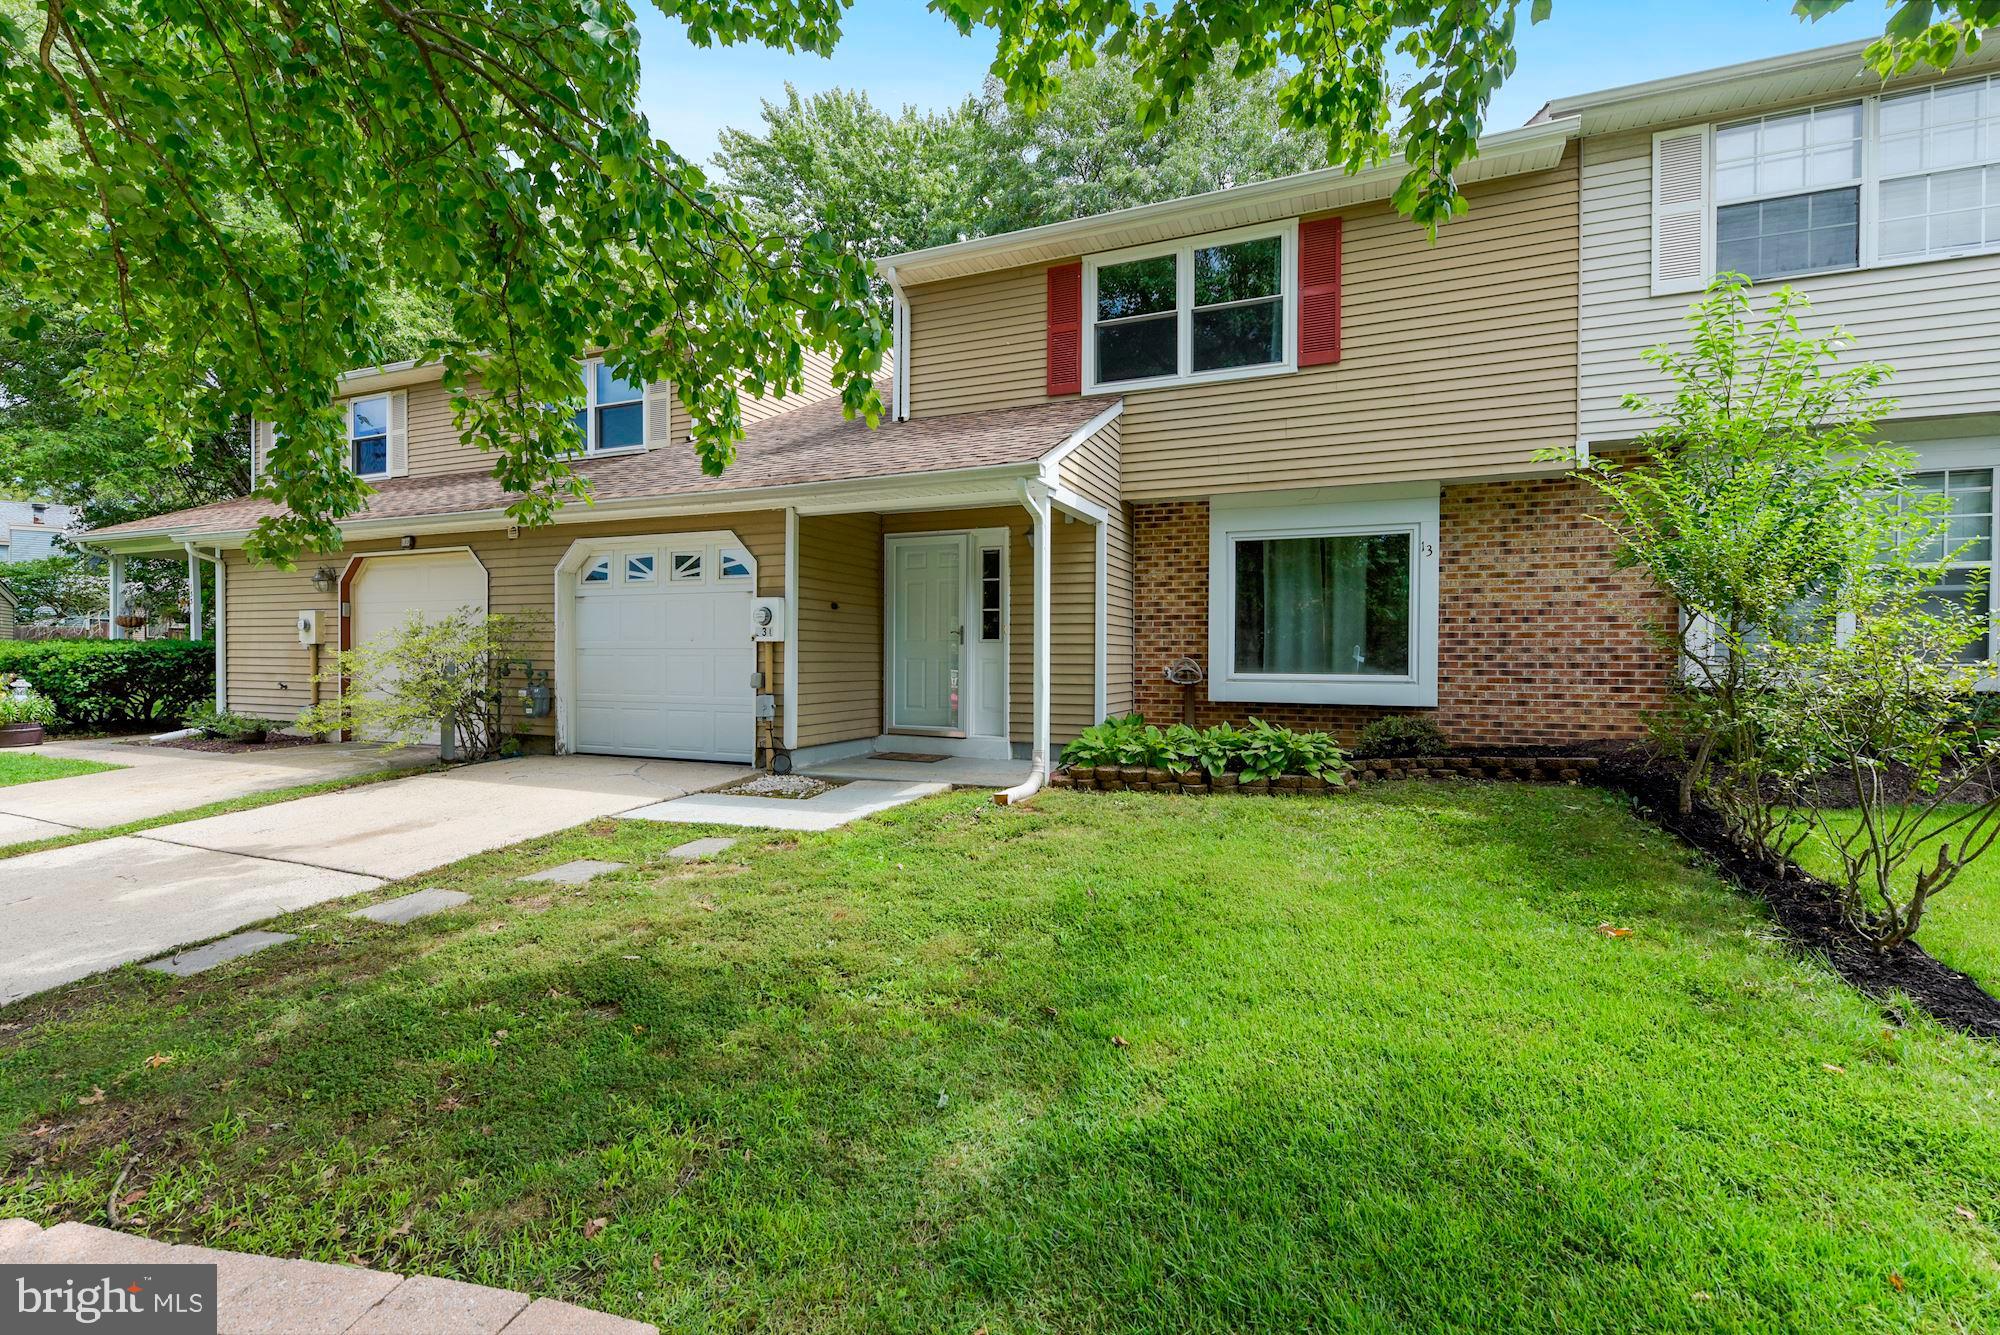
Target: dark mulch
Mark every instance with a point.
(1805, 908)
(220, 744)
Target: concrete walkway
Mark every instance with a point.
(828, 811)
(264, 1295)
(160, 780)
(70, 912)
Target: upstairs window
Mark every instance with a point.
(614, 411)
(1208, 308)
(368, 436)
(1788, 193)
(1938, 160)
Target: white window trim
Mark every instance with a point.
(590, 448)
(1348, 510)
(1287, 233)
(388, 436)
(1870, 184)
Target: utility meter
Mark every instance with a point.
(767, 619)
(309, 626)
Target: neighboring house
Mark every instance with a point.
(9, 612)
(1270, 433)
(29, 529)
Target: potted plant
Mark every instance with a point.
(23, 717)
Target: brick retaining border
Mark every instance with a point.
(1492, 769)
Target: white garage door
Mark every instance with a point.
(663, 654)
(388, 590)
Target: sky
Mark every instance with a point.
(899, 52)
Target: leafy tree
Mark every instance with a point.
(228, 191)
(881, 183)
(65, 583)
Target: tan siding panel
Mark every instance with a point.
(1458, 359)
(840, 628)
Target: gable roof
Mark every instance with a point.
(810, 445)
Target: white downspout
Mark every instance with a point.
(1102, 658)
(115, 587)
(1035, 497)
(899, 341)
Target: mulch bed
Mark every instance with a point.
(221, 744)
(1805, 908)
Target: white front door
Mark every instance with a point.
(926, 632)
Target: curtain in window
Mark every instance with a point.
(1324, 606)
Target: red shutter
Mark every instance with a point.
(1319, 292)
(1066, 328)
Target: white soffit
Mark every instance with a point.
(1536, 147)
(1808, 76)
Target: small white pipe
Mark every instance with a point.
(1035, 498)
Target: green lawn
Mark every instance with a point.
(1104, 1063)
(1962, 925)
(18, 766)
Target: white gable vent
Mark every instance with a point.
(1680, 210)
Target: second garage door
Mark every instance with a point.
(389, 591)
(662, 650)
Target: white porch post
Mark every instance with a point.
(194, 594)
(1102, 656)
(791, 650)
(116, 590)
(221, 631)
(1038, 506)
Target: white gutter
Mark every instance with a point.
(1036, 499)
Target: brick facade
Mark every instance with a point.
(1540, 639)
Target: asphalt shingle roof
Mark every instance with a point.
(812, 443)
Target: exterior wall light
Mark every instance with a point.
(324, 579)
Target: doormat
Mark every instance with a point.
(920, 757)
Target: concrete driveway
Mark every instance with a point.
(159, 780)
(70, 912)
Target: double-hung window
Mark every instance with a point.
(368, 435)
(1328, 603)
(1209, 308)
(1938, 166)
(1964, 550)
(1788, 193)
(614, 411)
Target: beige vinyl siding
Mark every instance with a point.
(269, 673)
(1091, 470)
(1458, 359)
(1936, 322)
(840, 628)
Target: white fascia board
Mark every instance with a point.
(1085, 235)
(1054, 458)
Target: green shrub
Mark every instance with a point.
(1269, 750)
(26, 708)
(1401, 735)
(1263, 752)
(112, 684)
(225, 726)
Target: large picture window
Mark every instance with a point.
(1328, 603)
(1208, 308)
(1788, 193)
(1938, 158)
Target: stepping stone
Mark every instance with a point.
(701, 848)
(575, 873)
(203, 958)
(411, 907)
